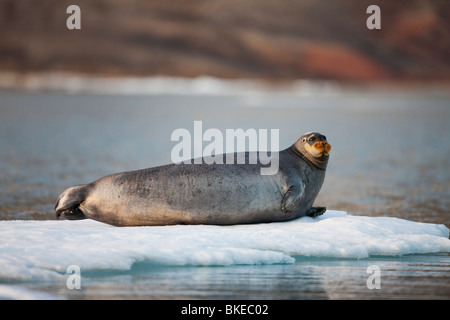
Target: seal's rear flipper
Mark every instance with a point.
(316, 211)
(68, 203)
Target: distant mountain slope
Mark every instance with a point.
(230, 38)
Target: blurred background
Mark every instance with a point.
(79, 104)
(261, 39)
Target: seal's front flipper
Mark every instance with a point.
(316, 211)
(292, 198)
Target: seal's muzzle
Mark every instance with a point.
(322, 148)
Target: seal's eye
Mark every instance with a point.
(324, 138)
(312, 138)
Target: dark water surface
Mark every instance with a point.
(390, 158)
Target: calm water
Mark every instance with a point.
(390, 158)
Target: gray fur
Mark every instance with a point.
(219, 194)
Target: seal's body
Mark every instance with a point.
(205, 194)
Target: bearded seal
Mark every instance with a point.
(220, 194)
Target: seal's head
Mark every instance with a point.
(314, 147)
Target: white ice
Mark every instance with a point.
(41, 250)
(15, 292)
